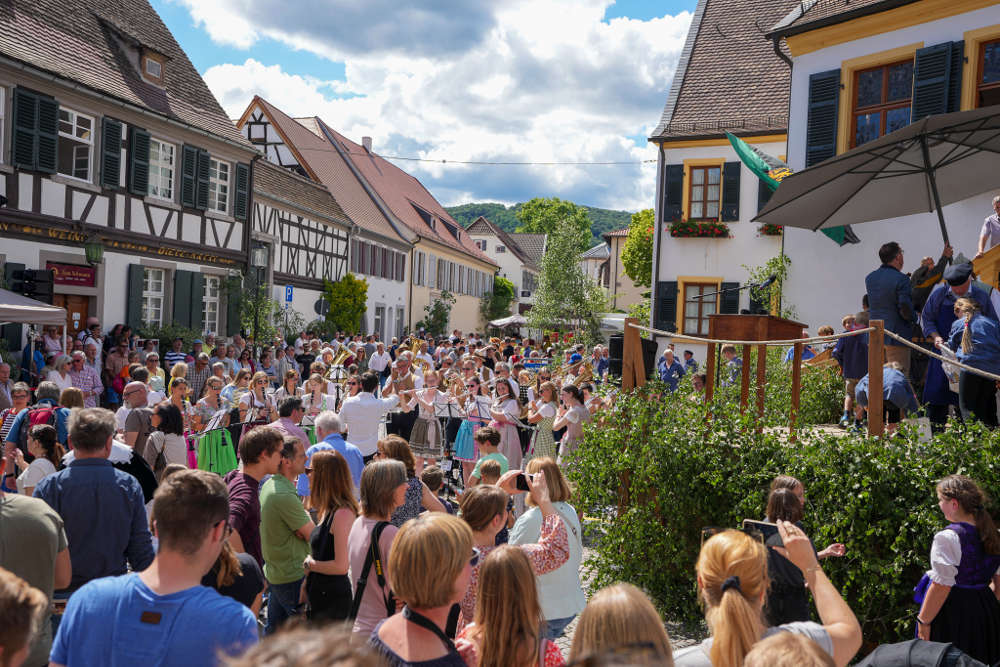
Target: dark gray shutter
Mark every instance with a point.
(111, 153)
(138, 161)
(198, 302)
(233, 291)
(763, 194)
(12, 333)
(48, 135)
(931, 74)
(189, 176)
(133, 307)
(241, 199)
(182, 298)
(821, 125)
(731, 192)
(955, 78)
(25, 123)
(666, 305)
(203, 167)
(729, 300)
(673, 192)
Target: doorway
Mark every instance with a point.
(77, 310)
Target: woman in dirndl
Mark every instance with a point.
(505, 411)
(477, 411)
(425, 436)
(542, 413)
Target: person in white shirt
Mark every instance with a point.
(43, 445)
(60, 375)
(990, 234)
(362, 414)
(380, 360)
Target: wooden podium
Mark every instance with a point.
(987, 267)
(754, 328)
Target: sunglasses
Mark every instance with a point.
(351, 384)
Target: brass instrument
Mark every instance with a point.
(336, 372)
(417, 361)
(585, 375)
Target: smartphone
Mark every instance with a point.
(521, 482)
(765, 528)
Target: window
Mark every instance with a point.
(76, 143)
(697, 309)
(501, 248)
(162, 159)
(400, 315)
(218, 185)
(379, 328)
(528, 281)
(481, 244)
(988, 79)
(153, 68)
(706, 192)
(210, 309)
(882, 98)
(153, 281)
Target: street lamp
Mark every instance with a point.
(259, 257)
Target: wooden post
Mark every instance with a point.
(761, 382)
(796, 389)
(745, 379)
(876, 345)
(710, 372)
(631, 350)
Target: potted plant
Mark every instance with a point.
(769, 229)
(699, 229)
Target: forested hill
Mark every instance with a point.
(602, 220)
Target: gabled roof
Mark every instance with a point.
(280, 183)
(811, 14)
(405, 196)
(325, 165)
(533, 245)
(726, 48)
(600, 251)
(618, 233)
(483, 226)
(86, 42)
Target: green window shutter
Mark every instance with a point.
(821, 123)
(48, 135)
(138, 161)
(673, 192)
(763, 194)
(955, 78)
(203, 167)
(241, 198)
(931, 74)
(111, 153)
(198, 302)
(666, 305)
(233, 291)
(189, 176)
(133, 308)
(729, 300)
(182, 298)
(25, 129)
(731, 192)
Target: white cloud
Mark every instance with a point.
(547, 80)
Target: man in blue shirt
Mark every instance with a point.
(47, 395)
(670, 369)
(101, 507)
(328, 436)
(898, 396)
(690, 365)
(163, 615)
(890, 299)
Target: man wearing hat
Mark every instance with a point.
(937, 317)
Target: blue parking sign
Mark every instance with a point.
(288, 293)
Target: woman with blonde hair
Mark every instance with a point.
(60, 372)
(289, 386)
(178, 370)
(256, 405)
(732, 581)
(542, 412)
(621, 616)
(430, 565)
(71, 397)
(240, 385)
(975, 340)
(331, 494)
(508, 626)
(316, 400)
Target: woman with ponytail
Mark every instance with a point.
(732, 580)
(957, 604)
(48, 453)
(975, 339)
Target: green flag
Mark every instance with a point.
(772, 171)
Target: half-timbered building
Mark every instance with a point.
(113, 150)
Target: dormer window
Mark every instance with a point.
(151, 66)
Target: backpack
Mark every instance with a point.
(42, 413)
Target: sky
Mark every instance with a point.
(459, 80)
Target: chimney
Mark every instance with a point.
(367, 143)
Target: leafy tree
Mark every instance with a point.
(437, 314)
(770, 297)
(347, 298)
(566, 298)
(260, 315)
(496, 304)
(545, 216)
(602, 220)
(637, 255)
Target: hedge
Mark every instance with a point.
(659, 469)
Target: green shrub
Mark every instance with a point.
(167, 333)
(674, 470)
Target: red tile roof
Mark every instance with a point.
(616, 233)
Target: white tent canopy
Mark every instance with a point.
(513, 320)
(22, 310)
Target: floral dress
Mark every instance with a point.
(411, 504)
(542, 443)
(553, 657)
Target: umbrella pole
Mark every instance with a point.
(934, 191)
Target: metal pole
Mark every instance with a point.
(929, 170)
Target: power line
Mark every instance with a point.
(498, 163)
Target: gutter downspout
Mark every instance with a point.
(657, 224)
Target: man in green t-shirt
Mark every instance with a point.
(285, 529)
(33, 546)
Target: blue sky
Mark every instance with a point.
(517, 80)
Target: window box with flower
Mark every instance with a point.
(768, 229)
(699, 229)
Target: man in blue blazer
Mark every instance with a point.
(890, 299)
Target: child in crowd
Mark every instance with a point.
(898, 397)
(734, 365)
(488, 440)
(852, 355)
(490, 472)
(433, 477)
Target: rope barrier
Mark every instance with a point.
(804, 341)
(939, 357)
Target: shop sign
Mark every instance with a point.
(72, 274)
